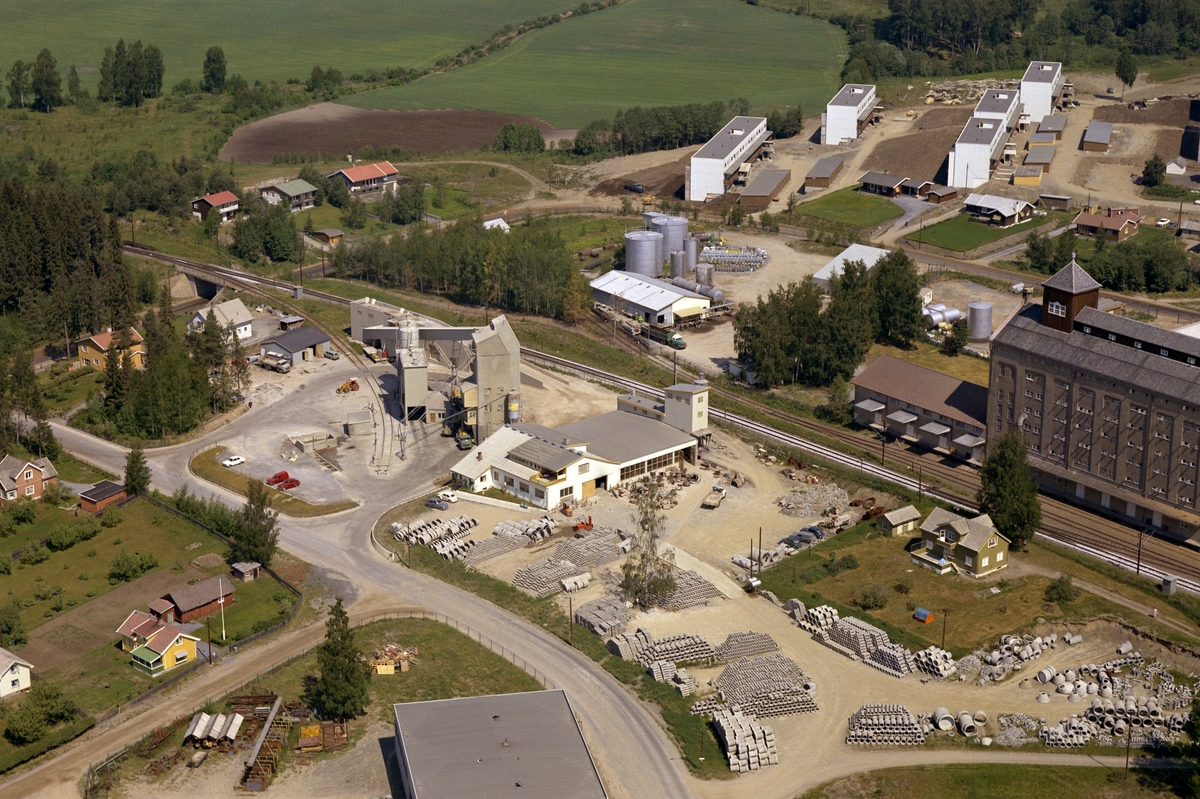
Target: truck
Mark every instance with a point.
(663, 336)
(276, 363)
(713, 500)
(463, 440)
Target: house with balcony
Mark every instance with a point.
(953, 544)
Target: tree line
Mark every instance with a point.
(129, 75)
(1158, 266)
(144, 182)
(788, 338)
(527, 270)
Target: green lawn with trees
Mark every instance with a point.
(850, 207)
(961, 233)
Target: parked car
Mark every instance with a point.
(277, 478)
(1162, 222)
(636, 188)
(332, 355)
(1110, 90)
(236, 460)
(289, 484)
(448, 496)
(1196, 202)
(436, 504)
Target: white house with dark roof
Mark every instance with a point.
(847, 114)
(15, 674)
(715, 165)
(232, 313)
(1041, 88)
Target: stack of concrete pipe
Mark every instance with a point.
(1129, 713)
(533, 529)
(1069, 732)
(430, 531)
(885, 725)
(935, 662)
(451, 547)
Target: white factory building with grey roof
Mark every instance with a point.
(1041, 88)
(848, 113)
(715, 166)
(654, 301)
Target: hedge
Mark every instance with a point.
(54, 739)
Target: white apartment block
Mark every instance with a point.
(979, 147)
(715, 165)
(847, 113)
(1041, 88)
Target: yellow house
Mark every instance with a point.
(93, 349)
(155, 646)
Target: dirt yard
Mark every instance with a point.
(921, 154)
(661, 180)
(338, 129)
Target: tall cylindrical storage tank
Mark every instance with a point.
(979, 321)
(677, 263)
(641, 252)
(512, 408)
(704, 274)
(673, 229)
(691, 250)
(648, 218)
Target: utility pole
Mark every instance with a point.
(571, 620)
(1141, 537)
(945, 613)
(920, 483)
(208, 623)
(221, 602)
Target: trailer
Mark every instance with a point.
(664, 336)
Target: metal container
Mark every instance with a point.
(648, 217)
(691, 249)
(678, 261)
(979, 321)
(716, 295)
(951, 315)
(704, 274)
(673, 228)
(688, 285)
(641, 252)
(513, 409)
(933, 317)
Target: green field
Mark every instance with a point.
(643, 52)
(851, 207)
(1011, 781)
(269, 39)
(961, 233)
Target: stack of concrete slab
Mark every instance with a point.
(605, 616)
(893, 659)
(684, 648)
(594, 550)
(632, 646)
(852, 637)
(662, 670)
(748, 744)
(819, 618)
(935, 662)
(684, 684)
(767, 686)
(545, 577)
(691, 591)
(795, 609)
(889, 725)
(492, 548)
(745, 645)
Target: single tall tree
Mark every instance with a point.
(1127, 70)
(648, 574)
(896, 300)
(107, 86)
(213, 79)
(47, 83)
(1008, 492)
(257, 533)
(74, 91)
(18, 83)
(1155, 171)
(340, 691)
(137, 471)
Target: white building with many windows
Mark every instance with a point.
(848, 113)
(1041, 88)
(714, 167)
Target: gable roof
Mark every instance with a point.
(7, 659)
(138, 624)
(358, 174)
(293, 188)
(161, 606)
(492, 451)
(855, 252)
(299, 339)
(11, 468)
(1108, 221)
(220, 198)
(880, 179)
(233, 312)
(1072, 279)
(927, 389)
(190, 597)
(1006, 206)
(544, 454)
(165, 637)
(973, 533)
(901, 515)
(104, 340)
(653, 295)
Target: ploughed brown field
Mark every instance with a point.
(339, 130)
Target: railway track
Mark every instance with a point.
(1062, 523)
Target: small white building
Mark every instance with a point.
(233, 313)
(715, 165)
(1041, 88)
(654, 301)
(979, 146)
(848, 113)
(15, 674)
(855, 252)
(1177, 166)
(496, 224)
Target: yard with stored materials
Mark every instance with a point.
(851, 207)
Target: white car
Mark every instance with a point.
(1196, 202)
(1162, 222)
(236, 460)
(448, 496)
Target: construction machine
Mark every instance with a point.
(348, 386)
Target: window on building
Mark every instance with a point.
(539, 493)
(993, 541)
(28, 491)
(969, 560)
(999, 556)
(16, 683)
(584, 468)
(524, 488)
(1056, 309)
(568, 491)
(29, 474)
(983, 563)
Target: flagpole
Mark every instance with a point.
(221, 602)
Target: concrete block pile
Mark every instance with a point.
(493, 547)
(893, 659)
(885, 725)
(426, 532)
(852, 637)
(691, 591)
(684, 683)
(935, 662)
(795, 609)
(594, 550)
(605, 616)
(819, 618)
(748, 745)
(662, 670)
(745, 645)
(545, 577)
(632, 646)
(641, 646)
(533, 529)
(766, 686)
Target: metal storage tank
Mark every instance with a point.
(673, 229)
(691, 250)
(688, 285)
(513, 408)
(716, 295)
(641, 252)
(951, 315)
(979, 321)
(704, 274)
(677, 263)
(648, 217)
(933, 318)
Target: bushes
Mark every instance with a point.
(43, 708)
(23, 511)
(1061, 590)
(126, 567)
(56, 738)
(35, 554)
(844, 564)
(65, 536)
(110, 518)
(873, 598)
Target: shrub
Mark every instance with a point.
(25, 725)
(1062, 590)
(35, 554)
(62, 537)
(41, 592)
(110, 518)
(7, 525)
(5, 563)
(836, 566)
(873, 598)
(903, 587)
(23, 511)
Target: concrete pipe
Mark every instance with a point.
(1046, 674)
(1109, 722)
(1093, 689)
(1106, 691)
(966, 724)
(943, 720)
(980, 717)
(1069, 675)
(1096, 706)
(1074, 697)
(1120, 728)
(1058, 679)
(1043, 697)
(1066, 688)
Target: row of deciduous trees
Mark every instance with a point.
(1158, 266)
(129, 75)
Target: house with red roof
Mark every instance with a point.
(381, 176)
(223, 203)
(155, 645)
(1114, 225)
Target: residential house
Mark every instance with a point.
(224, 204)
(296, 194)
(881, 183)
(329, 235)
(1115, 224)
(900, 521)
(93, 349)
(200, 599)
(101, 495)
(381, 176)
(25, 478)
(15, 674)
(953, 543)
(998, 211)
(233, 313)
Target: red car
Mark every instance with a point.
(278, 478)
(289, 484)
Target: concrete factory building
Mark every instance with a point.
(654, 301)
(848, 113)
(1042, 88)
(870, 256)
(1003, 105)
(486, 746)
(1109, 407)
(922, 406)
(717, 164)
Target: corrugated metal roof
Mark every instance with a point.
(653, 295)
(492, 451)
(544, 454)
(855, 252)
(730, 136)
(1098, 132)
(102, 490)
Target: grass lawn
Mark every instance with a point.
(1011, 781)
(469, 188)
(977, 616)
(642, 52)
(207, 465)
(961, 233)
(851, 207)
(63, 389)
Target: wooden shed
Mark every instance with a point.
(1097, 136)
(101, 495)
(823, 173)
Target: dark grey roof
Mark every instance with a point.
(728, 138)
(997, 101)
(913, 183)
(767, 183)
(881, 179)
(1042, 71)
(102, 490)
(299, 339)
(1042, 138)
(925, 388)
(980, 130)
(484, 746)
(1106, 359)
(197, 595)
(541, 431)
(852, 94)
(1041, 155)
(943, 190)
(1072, 279)
(623, 437)
(546, 455)
(1027, 171)
(1052, 123)
(1098, 132)
(826, 167)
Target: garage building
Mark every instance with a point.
(296, 346)
(1097, 136)
(823, 173)
(765, 189)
